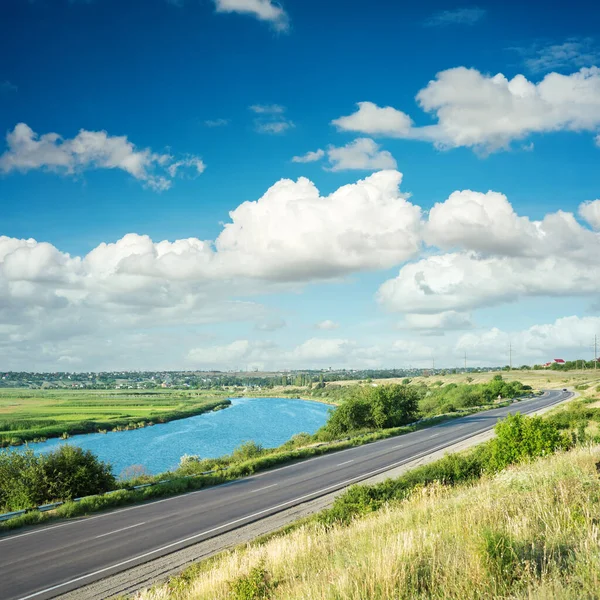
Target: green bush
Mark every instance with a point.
(257, 585)
(519, 438)
(380, 407)
(27, 480)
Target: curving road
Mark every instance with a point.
(46, 562)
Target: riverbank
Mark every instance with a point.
(37, 415)
(197, 474)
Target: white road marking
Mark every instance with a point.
(345, 463)
(118, 530)
(264, 488)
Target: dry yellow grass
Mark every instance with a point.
(547, 379)
(530, 532)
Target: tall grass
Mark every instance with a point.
(529, 532)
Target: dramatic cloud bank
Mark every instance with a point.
(486, 112)
(470, 251)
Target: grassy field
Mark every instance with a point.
(27, 415)
(529, 532)
(546, 379)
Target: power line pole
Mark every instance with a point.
(510, 356)
(465, 360)
(595, 351)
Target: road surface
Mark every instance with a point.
(48, 561)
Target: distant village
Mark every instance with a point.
(143, 380)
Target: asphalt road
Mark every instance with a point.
(46, 562)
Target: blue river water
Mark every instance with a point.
(267, 421)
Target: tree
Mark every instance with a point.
(378, 407)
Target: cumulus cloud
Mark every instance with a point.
(540, 343)
(496, 256)
(361, 154)
(90, 150)
(375, 120)
(292, 233)
(444, 321)
(486, 112)
(309, 157)
(264, 10)
(327, 325)
(457, 16)
(590, 211)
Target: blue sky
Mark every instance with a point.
(205, 103)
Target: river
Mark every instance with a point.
(267, 421)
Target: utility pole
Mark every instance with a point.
(465, 360)
(510, 356)
(595, 352)
(433, 364)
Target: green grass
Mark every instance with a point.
(32, 415)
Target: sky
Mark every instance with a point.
(251, 184)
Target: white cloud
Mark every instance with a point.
(375, 120)
(457, 16)
(88, 150)
(273, 127)
(327, 325)
(270, 119)
(498, 256)
(194, 162)
(313, 352)
(294, 234)
(487, 223)
(488, 113)
(309, 157)
(464, 281)
(540, 343)
(216, 122)
(272, 324)
(264, 10)
(590, 211)
(572, 53)
(444, 321)
(361, 154)
(267, 109)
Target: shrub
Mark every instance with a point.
(257, 585)
(519, 438)
(378, 407)
(246, 451)
(27, 480)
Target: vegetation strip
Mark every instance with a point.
(369, 413)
